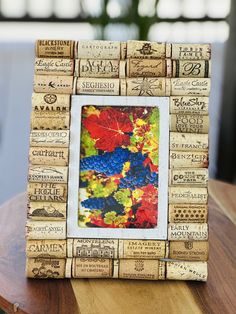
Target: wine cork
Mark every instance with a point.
(188, 159)
(145, 50)
(47, 192)
(68, 268)
(143, 249)
(95, 248)
(191, 68)
(54, 174)
(46, 230)
(123, 50)
(191, 195)
(116, 264)
(50, 102)
(54, 66)
(167, 249)
(182, 213)
(191, 51)
(189, 104)
(189, 250)
(189, 123)
(70, 245)
(168, 68)
(49, 156)
(168, 50)
(53, 84)
(168, 86)
(146, 67)
(49, 138)
(99, 49)
(190, 86)
(186, 270)
(98, 86)
(123, 87)
(187, 232)
(140, 269)
(99, 68)
(188, 142)
(54, 48)
(46, 248)
(50, 120)
(122, 69)
(162, 270)
(188, 176)
(77, 67)
(74, 85)
(146, 86)
(47, 211)
(76, 50)
(43, 268)
(92, 268)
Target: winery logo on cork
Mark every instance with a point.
(193, 52)
(147, 86)
(191, 68)
(146, 49)
(48, 83)
(42, 272)
(52, 84)
(139, 265)
(39, 170)
(99, 45)
(51, 174)
(188, 245)
(110, 67)
(46, 191)
(190, 104)
(46, 248)
(47, 269)
(46, 211)
(50, 98)
(54, 43)
(190, 83)
(95, 251)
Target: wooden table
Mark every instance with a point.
(21, 295)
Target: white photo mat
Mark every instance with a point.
(73, 229)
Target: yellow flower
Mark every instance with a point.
(126, 167)
(127, 209)
(133, 149)
(140, 122)
(87, 219)
(92, 110)
(137, 194)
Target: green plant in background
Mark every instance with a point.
(143, 14)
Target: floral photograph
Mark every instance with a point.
(119, 167)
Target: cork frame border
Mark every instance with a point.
(159, 233)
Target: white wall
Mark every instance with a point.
(16, 78)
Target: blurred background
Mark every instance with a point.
(24, 21)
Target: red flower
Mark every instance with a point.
(109, 129)
(153, 167)
(146, 217)
(142, 130)
(150, 194)
(138, 112)
(97, 221)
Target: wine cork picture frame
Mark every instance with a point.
(118, 161)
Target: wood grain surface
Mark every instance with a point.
(95, 296)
